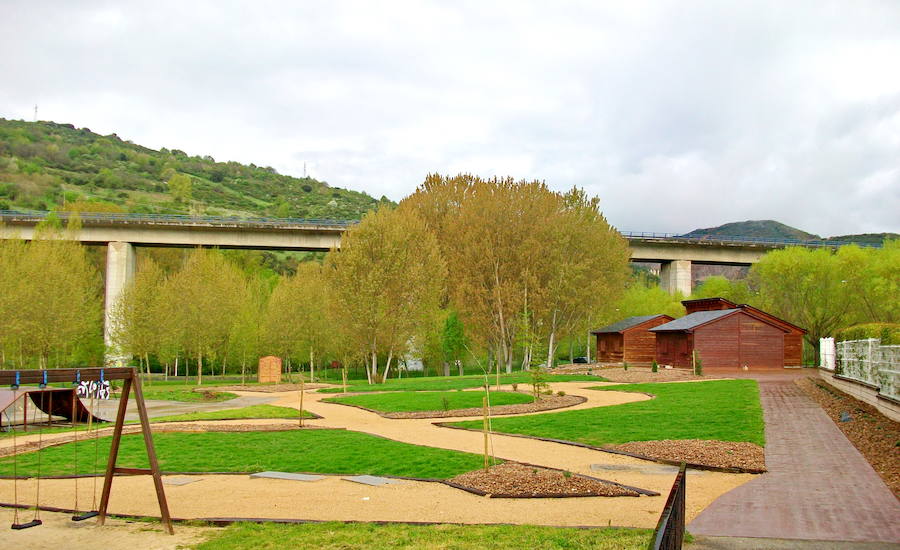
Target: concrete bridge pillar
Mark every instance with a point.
(120, 268)
(676, 276)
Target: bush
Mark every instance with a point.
(654, 367)
(888, 333)
(698, 364)
(625, 365)
(561, 393)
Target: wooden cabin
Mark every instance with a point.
(629, 340)
(728, 338)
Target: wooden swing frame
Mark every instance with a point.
(131, 381)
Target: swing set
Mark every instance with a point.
(70, 407)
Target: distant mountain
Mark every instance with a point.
(770, 229)
(760, 229)
(45, 165)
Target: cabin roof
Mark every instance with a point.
(626, 324)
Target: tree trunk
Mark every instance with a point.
(551, 347)
(244, 372)
(387, 365)
(224, 356)
(446, 368)
(587, 347)
(372, 368)
(176, 366)
(571, 350)
(312, 365)
(459, 367)
(199, 369)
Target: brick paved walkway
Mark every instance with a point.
(819, 487)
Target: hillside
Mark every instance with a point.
(770, 229)
(760, 229)
(45, 165)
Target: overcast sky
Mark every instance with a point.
(677, 114)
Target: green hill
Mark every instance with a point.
(760, 229)
(45, 165)
(866, 238)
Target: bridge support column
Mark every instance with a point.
(675, 276)
(120, 268)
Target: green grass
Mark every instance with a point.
(335, 536)
(437, 383)
(429, 401)
(186, 394)
(322, 451)
(726, 410)
(253, 411)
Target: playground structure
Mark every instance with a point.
(73, 410)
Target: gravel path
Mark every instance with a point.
(334, 499)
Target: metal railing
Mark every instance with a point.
(669, 533)
(740, 239)
(14, 216)
(170, 219)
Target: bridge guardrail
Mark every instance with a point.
(740, 239)
(14, 215)
(101, 217)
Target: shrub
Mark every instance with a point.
(654, 367)
(515, 387)
(698, 364)
(888, 333)
(561, 393)
(445, 403)
(625, 365)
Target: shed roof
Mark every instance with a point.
(626, 324)
(694, 320)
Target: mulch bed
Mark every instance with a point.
(634, 375)
(744, 456)
(546, 403)
(876, 436)
(514, 480)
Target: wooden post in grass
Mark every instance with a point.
(301, 399)
(484, 404)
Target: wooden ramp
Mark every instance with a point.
(61, 402)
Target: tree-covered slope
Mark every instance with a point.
(770, 229)
(760, 229)
(44, 165)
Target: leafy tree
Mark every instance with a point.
(806, 287)
(137, 326)
(647, 300)
(180, 188)
(453, 343)
(386, 281)
(719, 287)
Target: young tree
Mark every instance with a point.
(205, 300)
(453, 343)
(137, 328)
(806, 287)
(385, 282)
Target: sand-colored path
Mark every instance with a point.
(336, 499)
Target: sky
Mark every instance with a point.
(678, 115)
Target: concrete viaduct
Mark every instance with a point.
(122, 232)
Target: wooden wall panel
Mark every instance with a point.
(640, 343)
(718, 343)
(761, 344)
(793, 350)
(673, 348)
(609, 348)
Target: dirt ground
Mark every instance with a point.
(58, 531)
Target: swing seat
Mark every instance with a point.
(86, 515)
(32, 523)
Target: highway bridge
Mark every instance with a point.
(122, 232)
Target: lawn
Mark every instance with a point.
(726, 410)
(336, 535)
(253, 411)
(182, 393)
(322, 451)
(438, 383)
(430, 401)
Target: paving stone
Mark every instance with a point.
(373, 480)
(286, 475)
(179, 480)
(818, 487)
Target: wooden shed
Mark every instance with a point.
(629, 340)
(728, 338)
